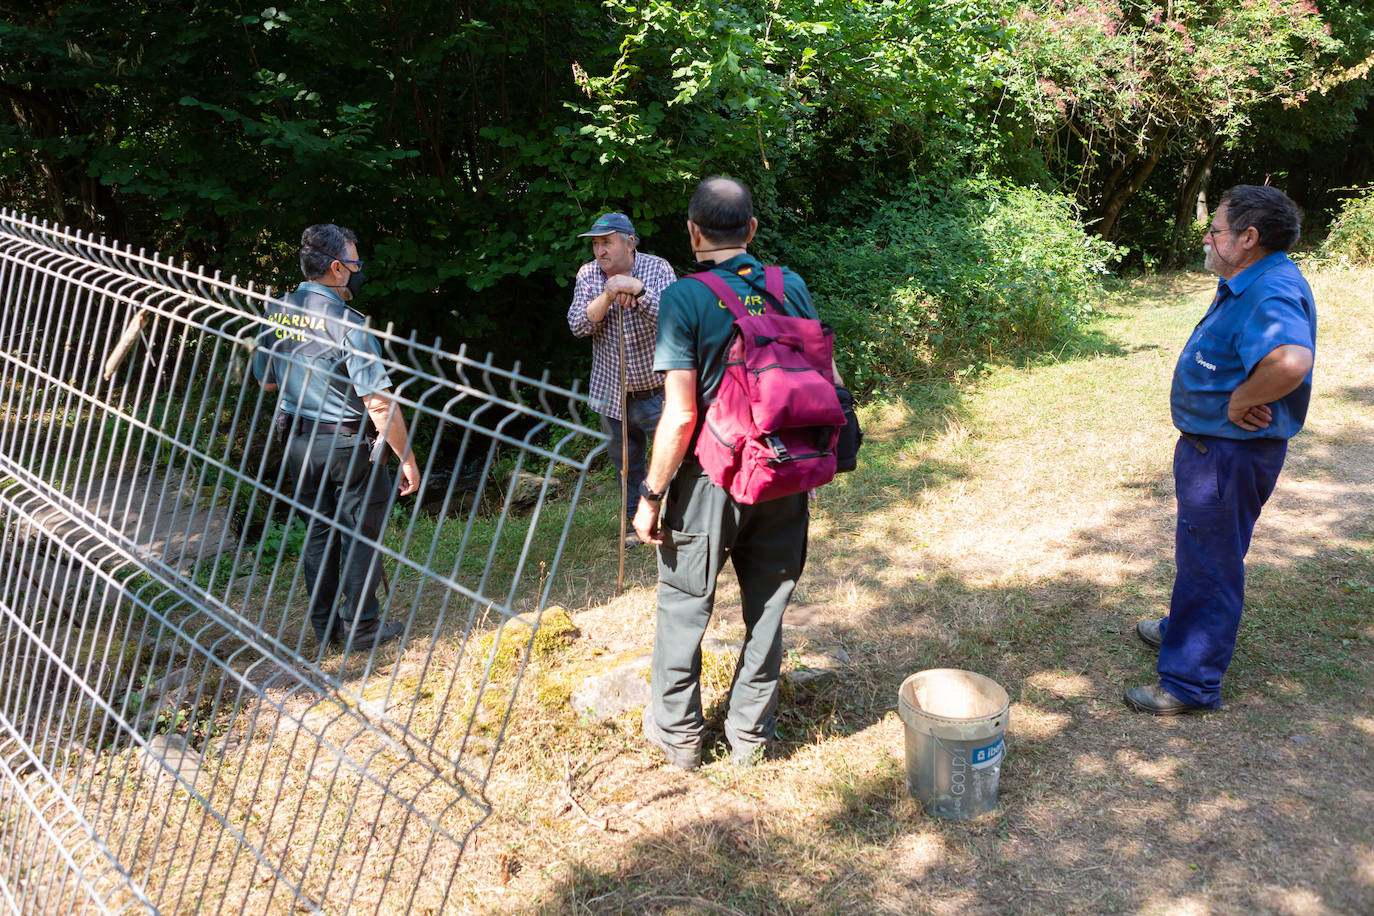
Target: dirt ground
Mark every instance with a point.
(1017, 526)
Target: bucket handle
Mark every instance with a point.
(931, 775)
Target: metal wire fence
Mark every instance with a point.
(173, 736)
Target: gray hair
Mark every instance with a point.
(322, 245)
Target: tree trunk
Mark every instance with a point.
(1191, 204)
(34, 116)
(1119, 191)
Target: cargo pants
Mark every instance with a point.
(702, 527)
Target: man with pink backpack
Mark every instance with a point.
(749, 425)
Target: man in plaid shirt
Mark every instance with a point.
(617, 295)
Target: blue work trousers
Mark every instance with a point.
(1220, 493)
(644, 409)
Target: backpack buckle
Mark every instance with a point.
(779, 450)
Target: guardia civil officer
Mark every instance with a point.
(1240, 392)
(335, 400)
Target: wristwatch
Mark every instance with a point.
(648, 494)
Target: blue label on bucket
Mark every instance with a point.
(984, 757)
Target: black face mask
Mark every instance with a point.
(356, 279)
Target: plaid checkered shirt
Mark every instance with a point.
(640, 330)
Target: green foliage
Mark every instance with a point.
(468, 144)
(280, 540)
(1351, 240)
(1112, 86)
(938, 274)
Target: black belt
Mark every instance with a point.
(1200, 442)
(300, 424)
(1196, 441)
(643, 395)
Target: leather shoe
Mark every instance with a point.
(682, 758)
(366, 641)
(1157, 701)
(1148, 631)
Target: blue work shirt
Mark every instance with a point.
(1265, 306)
(321, 355)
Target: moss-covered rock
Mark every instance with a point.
(505, 647)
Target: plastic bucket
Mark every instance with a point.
(954, 722)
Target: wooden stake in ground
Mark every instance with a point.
(624, 452)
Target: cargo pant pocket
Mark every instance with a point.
(683, 561)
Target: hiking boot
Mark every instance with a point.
(1157, 701)
(632, 539)
(1148, 631)
(682, 758)
(370, 639)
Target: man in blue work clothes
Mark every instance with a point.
(1240, 392)
(318, 352)
(698, 525)
(615, 301)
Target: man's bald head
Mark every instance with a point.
(722, 209)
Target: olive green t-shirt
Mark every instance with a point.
(694, 326)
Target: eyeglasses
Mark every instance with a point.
(1214, 230)
(347, 261)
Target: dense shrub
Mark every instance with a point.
(939, 274)
(1352, 235)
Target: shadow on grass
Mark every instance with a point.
(1360, 394)
(1259, 808)
(1163, 289)
(1084, 342)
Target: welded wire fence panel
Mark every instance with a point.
(174, 735)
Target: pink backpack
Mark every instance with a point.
(772, 428)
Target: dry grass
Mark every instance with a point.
(1017, 526)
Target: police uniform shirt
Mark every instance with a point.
(321, 355)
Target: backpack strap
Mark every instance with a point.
(728, 297)
(772, 282)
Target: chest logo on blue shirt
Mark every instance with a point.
(1210, 367)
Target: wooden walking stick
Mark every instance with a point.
(624, 452)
